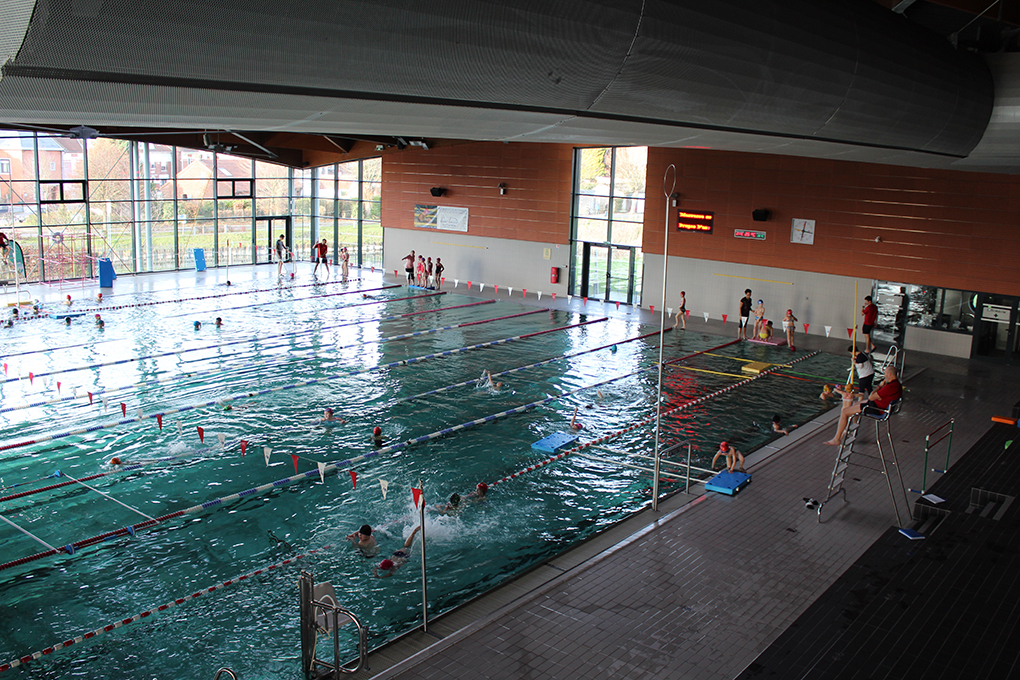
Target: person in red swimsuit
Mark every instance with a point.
(888, 391)
(320, 257)
(870, 312)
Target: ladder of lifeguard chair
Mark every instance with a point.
(845, 453)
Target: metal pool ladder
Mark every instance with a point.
(320, 612)
(845, 455)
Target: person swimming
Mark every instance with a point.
(329, 419)
(486, 382)
(398, 559)
(574, 425)
(377, 436)
(450, 508)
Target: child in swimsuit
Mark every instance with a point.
(789, 325)
(681, 315)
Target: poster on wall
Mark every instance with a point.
(440, 217)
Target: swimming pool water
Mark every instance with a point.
(252, 627)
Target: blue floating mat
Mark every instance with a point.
(729, 483)
(421, 287)
(555, 442)
(64, 315)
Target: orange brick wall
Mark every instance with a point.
(937, 227)
(536, 206)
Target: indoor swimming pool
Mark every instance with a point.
(381, 356)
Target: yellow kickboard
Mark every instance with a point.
(755, 367)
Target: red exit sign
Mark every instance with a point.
(695, 221)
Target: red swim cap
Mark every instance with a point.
(723, 446)
(483, 487)
(377, 430)
(115, 461)
(386, 565)
(789, 311)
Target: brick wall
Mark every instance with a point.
(937, 227)
(536, 206)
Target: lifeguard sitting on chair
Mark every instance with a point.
(888, 391)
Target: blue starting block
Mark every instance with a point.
(729, 483)
(555, 442)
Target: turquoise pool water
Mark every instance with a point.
(252, 626)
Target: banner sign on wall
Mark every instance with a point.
(440, 217)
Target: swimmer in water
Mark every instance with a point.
(377, 437)
(574, 425)
(451, 508)
(219, 322)
(329, 419)
(479, 494)
(486, 382)
(67, 321)
(198, 325)
(777, 425)
(100, 324)
(67, 301)
(399, 557)
(363, 540)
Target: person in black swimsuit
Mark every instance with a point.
(745, 313)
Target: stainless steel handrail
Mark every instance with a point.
(336, 611)
(226, 670)
(929, 445)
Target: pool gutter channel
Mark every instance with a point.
(408, 649)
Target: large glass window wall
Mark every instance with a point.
(607, 225)
(149, 206)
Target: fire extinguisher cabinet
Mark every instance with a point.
(554, 275)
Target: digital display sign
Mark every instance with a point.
(695, 221)
(749, 233)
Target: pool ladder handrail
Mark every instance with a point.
(929, 445)
(230, 673)
(310, 607)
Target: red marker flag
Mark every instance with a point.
(524, 292)
(586, 301)
(294, 457)
(201, 434)
(416, 493)
(806, 327)
(31, 377)
(724, 318)
(554, 296)
(90, 398)
(850, 333)
(58, 387)
(617, 304)
(159, 421)
(354, 478)
(651, 308)
(469, 285)
(244, 445)
(5, 369)
(123, 409)
(497, 288)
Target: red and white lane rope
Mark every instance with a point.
(650, 419)
(149, 612)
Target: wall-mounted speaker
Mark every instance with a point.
(761, 215)
(437, 191)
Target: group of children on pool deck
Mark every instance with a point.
(762, 326)
(422, 273)
(364, 541)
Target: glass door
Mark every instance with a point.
(607, 272)
(267, 230)
(995, 333)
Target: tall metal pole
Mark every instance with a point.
(662, 329)
(424, 587)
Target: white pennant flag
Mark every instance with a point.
(322, 472)
(828, 329)
(141, 416)
(481, 287)
(266, 450)
(706, 317)
(510, 291)
(456, 282)
(223, 439)
(180, 429)
(105, 403)
(669, 311)
(539, 295)
(384, 485)
(570, 298)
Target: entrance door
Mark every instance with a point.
(607, 272)
(995, 330)
(267, 230)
